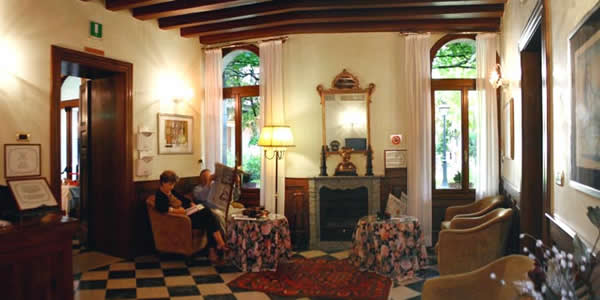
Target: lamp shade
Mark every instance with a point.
(276, 136)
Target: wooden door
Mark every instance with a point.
(82, 211)
(296, 211)
(106, 176)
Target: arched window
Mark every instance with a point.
(241, 112)
(453, 73)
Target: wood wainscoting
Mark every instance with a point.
(296, 211)
(394, 181)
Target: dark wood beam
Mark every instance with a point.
(286, 6)
(449, 25)
(127, 4)
(339, 16)
(180, 7)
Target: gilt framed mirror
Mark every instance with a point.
(345, 109)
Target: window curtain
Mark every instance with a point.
(213, 98)
(487, 142)
(417, 66)
(271, 113)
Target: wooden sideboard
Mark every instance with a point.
(36, 261)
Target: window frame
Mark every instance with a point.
(237, 93)
(464, 86)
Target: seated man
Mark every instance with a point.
(202, 192)
(168, 200)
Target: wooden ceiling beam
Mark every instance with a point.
(127, 4)
(180, 7)
(286, 6)
(447, 25)
(339, 16)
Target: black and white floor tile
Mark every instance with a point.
(168, 277)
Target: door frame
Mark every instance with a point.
(97, 64)
(540, 18)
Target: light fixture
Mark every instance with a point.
(496, 79)
(278, 138)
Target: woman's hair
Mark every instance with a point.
(202, 178)
(168, 176)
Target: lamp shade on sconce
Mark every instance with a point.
(277, 136)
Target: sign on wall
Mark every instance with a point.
(95, 29)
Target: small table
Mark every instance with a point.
(258, 244)
(394, 248)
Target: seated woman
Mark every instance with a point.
(168, 200)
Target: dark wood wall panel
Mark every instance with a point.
(395, 181)
(296, 211)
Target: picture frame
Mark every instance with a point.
(175, 134)
(395, 159)
(31, 193)
(584, 58)
(22, 160)
(508, 130)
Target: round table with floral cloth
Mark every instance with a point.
(258, 244)
(394, 248)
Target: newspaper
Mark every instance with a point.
(194, 208)
(222, 186)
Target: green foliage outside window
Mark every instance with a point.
(455, 60)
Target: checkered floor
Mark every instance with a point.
(168, 277)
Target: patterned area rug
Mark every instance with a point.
(317, 278)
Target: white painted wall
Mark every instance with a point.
(313, 59)
(569, 204)
(161, 60)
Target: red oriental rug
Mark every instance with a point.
(317, 278)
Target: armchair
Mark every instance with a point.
(173, 233)
(474, 209)
(477, 284)
(473, 242)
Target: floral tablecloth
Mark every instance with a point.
(258, 244)
(394, 248)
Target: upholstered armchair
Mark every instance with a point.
(474, 209)
(173, 233)
(477, 284)
(472, 242)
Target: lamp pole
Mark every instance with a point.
(277, 155)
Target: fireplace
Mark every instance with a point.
(340, 210)
(335, 204)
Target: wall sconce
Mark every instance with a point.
(496, 79)
(183, 94)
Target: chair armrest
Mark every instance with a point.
(452, 211)
(170, 230)
(460, 222)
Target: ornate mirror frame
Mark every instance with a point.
(345, 83)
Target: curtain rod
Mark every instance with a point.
(239, 44)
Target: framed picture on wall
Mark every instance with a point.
(584, 48)
(395, 159)
(22, 160)
(175, 134)
(508, 130)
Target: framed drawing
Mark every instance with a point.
(22, 160)
(508, 130)
(394, 159)
(175, 134)
(584, 48)
(30, 193)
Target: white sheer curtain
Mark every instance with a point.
(213, 98)
(487, 137)
(271, 113)
(417, 67)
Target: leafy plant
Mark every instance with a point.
(457, 177)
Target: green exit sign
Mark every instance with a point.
(95, 29)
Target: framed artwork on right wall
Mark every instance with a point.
(584, 49)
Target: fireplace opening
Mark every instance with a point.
(340, 211)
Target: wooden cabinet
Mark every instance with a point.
(296, 211)
(36, 261)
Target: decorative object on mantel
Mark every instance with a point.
(346, 167)
(584, 46)
(560, 275)
(22, 160)
(277, 138)
(346, 117)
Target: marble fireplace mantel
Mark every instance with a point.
(372, 183)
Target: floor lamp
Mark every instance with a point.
(277, 138)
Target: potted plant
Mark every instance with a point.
(457, 184)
